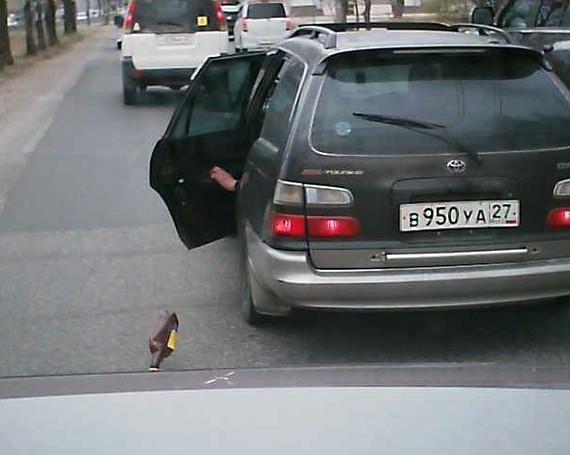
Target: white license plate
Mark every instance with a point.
(430, 216)
(175, 40)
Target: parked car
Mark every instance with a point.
(261, 24)
(406, 166)
(231, 9)
(541, 24)
(166, 40)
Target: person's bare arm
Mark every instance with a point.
(224, 179)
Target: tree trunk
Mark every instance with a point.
(88, 13)
(340, 11)
(6, 57)
(397, 8)
(50, 23)
(31, 48)
(69, 19)
(367, 9)
(40, 27)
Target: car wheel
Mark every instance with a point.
(129, 93)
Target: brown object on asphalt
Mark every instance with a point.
(163, 337)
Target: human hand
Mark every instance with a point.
(224, 178)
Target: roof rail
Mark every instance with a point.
(328, 31)
(316, 32)
(483, 30)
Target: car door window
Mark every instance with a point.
(218, 99)
(280, 101)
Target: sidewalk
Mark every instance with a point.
(29, 100)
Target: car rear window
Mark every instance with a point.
(429, 102)
(175, 16)
(265, 10)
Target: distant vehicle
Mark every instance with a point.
(260, 25)
(164, 41)
(541, 24)
(231, 9)
(15, 19)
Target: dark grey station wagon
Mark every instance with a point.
(405, 166)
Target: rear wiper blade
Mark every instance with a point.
(420, 127)
(398, 121)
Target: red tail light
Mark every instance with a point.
(244, 25)
(284, 225)
(333, 226)
(130, 19)
(288, 24)
(559, 218)
(220, 16)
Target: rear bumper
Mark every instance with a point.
(290, 276)
(251, 42)
(175, 77)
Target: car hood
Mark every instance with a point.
(219, 416)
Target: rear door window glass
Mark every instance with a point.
(175, 16)
(265, 10)
(486, 101)
(279, 104)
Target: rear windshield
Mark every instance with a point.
(265, 10)
(174, 16)
(372, 103)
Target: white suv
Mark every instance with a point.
(166, 40)
(261, 24)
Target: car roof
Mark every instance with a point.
(314, 51)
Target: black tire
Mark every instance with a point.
(129, 93)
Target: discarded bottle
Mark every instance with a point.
(163, 338)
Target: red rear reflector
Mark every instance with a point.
(130, 19)
(138, 73)
(288, 225)
(288, 24)
(559, 218)
(337, 226)
(220, 16)
(244, 25)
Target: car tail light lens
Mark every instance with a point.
(244, 25)
(130, 19)
(288, 24)
(333, 226)
(562, 188)
(220, 16)
(559, 218)
(288, 193)
(284, 225)
(317, 195)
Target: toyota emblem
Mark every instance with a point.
(456, 166)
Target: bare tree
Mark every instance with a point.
(40, 26)
(69, 18)
(50, 23)
(340, 11)
(366, 12)
(397, 8)
(31, 48)
(6, 58)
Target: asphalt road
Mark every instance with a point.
(89, 257)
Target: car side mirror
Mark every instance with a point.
(481, 15)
